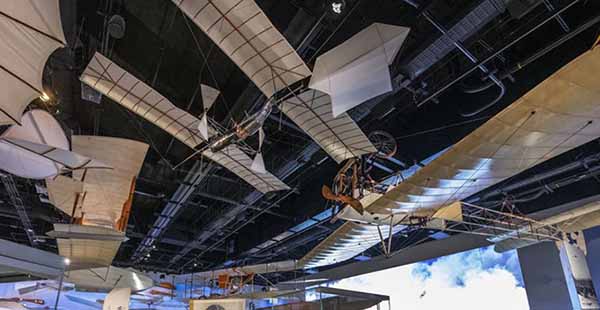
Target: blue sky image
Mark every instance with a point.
(476, 279)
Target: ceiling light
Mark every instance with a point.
(67, 262)
(148, 255)
(337, 6)
(44, 97)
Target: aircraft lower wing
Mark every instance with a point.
(105, 279)
(87, 246)
(244, 33)
(346, 242)
(121, 86)
(561, 113)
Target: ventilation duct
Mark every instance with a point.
(472, 23)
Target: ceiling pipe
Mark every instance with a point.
(473, 59)
(522, 64)
(494, 55)
(583, 163)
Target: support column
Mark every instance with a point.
(592, 242)
(575, 246)
(547, 277)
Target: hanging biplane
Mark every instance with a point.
(561, 113)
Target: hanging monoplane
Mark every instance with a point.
(522, 135)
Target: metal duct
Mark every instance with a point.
(474, 21)
(171, 210)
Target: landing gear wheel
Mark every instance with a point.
(384, 143)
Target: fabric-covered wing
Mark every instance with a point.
(69, 160)
(358, 69)
(559, 114)
(346, 242)
(40, 130)
(340, 137)
(107, 191)
(108, 278)
(124, 88)
(30, 30)
(65, 193)
(239, 163)
(41, 127)
(243, 31)
(87, 246)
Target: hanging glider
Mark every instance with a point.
(30, 30)
(98, 201)
(38, 149)
(561, 113)
(244, 32)
(358, 69)
(127, 90)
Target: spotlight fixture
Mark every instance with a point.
(337, 6)
(44, 97)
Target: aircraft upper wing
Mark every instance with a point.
(559, 114)
(121, 86)
(243, 31)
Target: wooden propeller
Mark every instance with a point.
(345, 199)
